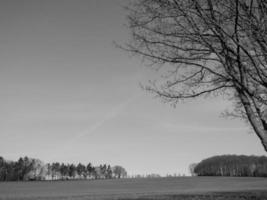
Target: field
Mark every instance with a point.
(196, 188)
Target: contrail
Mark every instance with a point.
(113, 113)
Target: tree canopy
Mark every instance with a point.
(34, 169)
(205, 47)
(232, 165)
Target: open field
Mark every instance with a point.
(160, 188)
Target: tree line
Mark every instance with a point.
(231, 165)
(34, 169)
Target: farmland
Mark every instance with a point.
(158, 188)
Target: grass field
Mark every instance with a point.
(196, 188)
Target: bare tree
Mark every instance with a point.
(206, 47)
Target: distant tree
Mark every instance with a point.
(9, 171)
(27, 166)
(38, 170)
(192, 169)
(49, 170)
(81, 170)
(90, 169)
(232, 165)
(64, 170)
(2, 169)
(103, 170)
(19, 169)
(203, 47)
(72, 171)
(34, 169)
(97, 172)
(119, 172)
(55, 170)
(109, 172)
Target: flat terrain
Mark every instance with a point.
(160, 188)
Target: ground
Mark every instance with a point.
(186, 188)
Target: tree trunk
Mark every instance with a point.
(257, 122)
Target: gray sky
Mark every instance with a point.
(68, 95)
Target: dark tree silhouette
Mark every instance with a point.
(64, 170)
(119, 172)
(90, 169)
(109, 172)
(25, 169)
(206, 47)
(232, 165)
(55, 169)
(81, 170)
(72, 170)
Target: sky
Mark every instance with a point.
(68, 94)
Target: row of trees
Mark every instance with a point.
(231, 165)
(34, 169)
